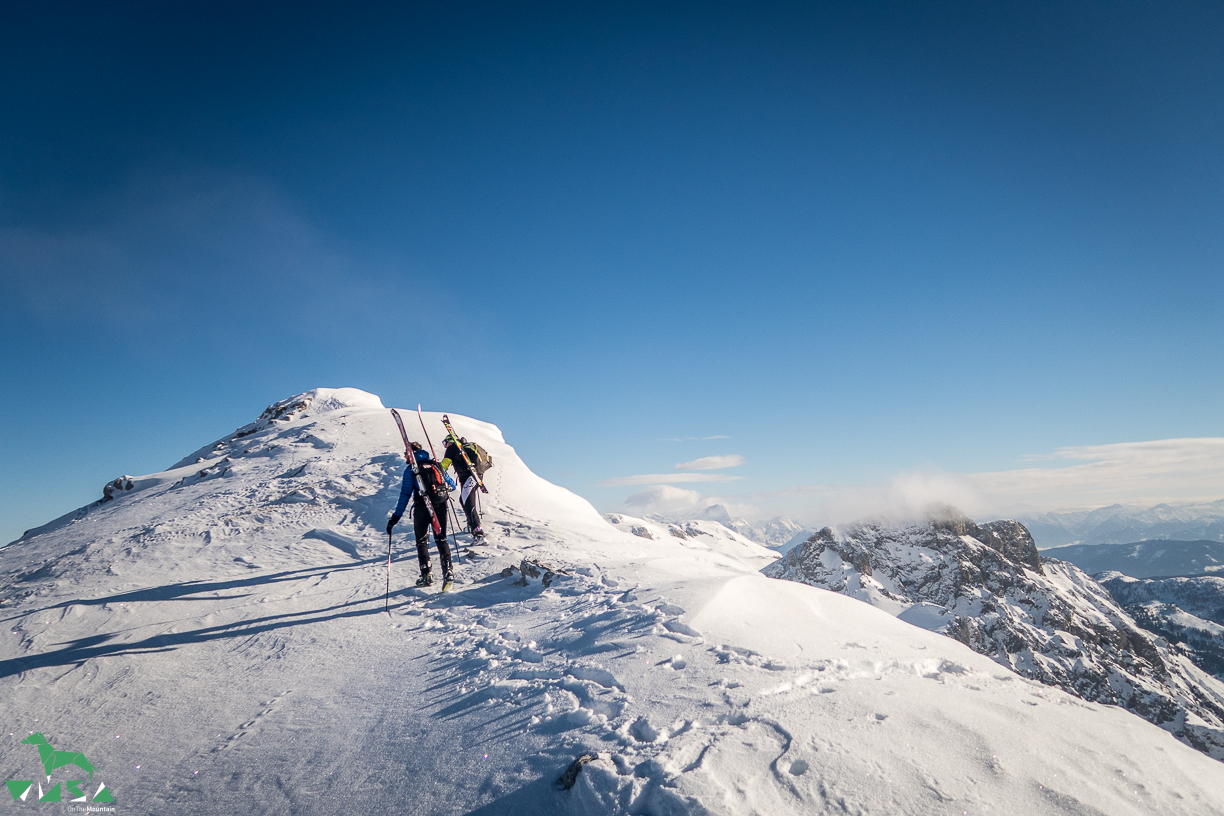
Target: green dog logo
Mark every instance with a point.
(52, 759)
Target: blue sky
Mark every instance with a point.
(858, 242)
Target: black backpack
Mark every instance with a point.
(478, 456)
(435, 485)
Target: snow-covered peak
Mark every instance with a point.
(315, 403)
(319, 401)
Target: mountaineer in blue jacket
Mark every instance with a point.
(438, 486)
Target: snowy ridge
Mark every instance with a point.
(694, 532)
(216, 641)
(778, 533)
(986, 586)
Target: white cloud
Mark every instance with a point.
(1156, 471)
(664, 499)
(712, 463)
(668, 478)
(1167, 470)
(676, 501)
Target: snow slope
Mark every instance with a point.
(214, 639)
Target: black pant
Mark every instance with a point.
(421, 525)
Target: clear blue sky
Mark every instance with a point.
(857, 239)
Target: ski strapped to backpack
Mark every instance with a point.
(484, 463)
(416, 472)
(434, 479)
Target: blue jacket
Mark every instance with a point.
(409, 487)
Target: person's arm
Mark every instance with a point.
(407, 491)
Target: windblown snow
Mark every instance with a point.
(214, 639)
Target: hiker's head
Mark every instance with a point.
(416, 446)
(449, 440)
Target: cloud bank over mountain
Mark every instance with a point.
(1082, 477)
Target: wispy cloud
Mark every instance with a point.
(677, 500)
(1138, 473)
(668, 478)
(712, 463)
(720, 436)
(1155, 471)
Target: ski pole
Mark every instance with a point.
(455, 527)
(387, 597)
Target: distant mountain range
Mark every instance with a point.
(1145, 559)
(1117, 524)
(779, 533)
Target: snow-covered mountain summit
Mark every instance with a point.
(986, 586)
(219, 638)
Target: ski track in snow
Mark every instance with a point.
(216, 642)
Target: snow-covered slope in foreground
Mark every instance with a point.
(214, 640)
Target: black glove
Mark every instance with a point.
(391, 522)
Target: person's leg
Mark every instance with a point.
(420, 526)
(444, 553)
(469, 507)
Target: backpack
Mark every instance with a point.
(435, 485)
(479, 457)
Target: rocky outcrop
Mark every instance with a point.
(986, 586)
(116, 488)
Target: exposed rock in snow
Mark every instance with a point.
(531, 571)
(986, 586)
(117, 488)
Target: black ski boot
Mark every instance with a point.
(425, 580)
(478, 536)
(448, 578)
